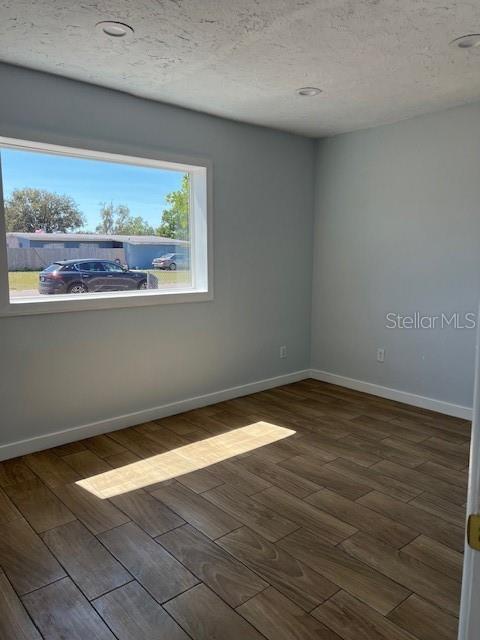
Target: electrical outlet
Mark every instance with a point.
(381, 355)
(283, 351)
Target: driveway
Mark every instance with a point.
(26, 293)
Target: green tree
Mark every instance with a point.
(135, 226)
(30, 210)
(107, 218)
(176, 217)
(116, 219)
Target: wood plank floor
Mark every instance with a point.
(307, 511)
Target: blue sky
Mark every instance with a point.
(90, 182)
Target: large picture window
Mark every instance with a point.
(86, 229)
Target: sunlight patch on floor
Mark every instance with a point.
(182, 460)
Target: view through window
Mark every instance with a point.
(85, 226)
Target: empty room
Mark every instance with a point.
(239, 328)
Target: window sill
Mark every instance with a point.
(96, 301)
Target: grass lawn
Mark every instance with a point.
(23, 280)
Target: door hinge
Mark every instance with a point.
(473, 531)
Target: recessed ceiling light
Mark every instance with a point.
(470, 41)
(308, 91)
(114, 29)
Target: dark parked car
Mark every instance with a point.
(83, 276)
(171, 261)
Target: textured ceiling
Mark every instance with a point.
(377, 61)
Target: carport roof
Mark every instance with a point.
(95, 237)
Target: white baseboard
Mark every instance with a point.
(56, 438)
(456, 410)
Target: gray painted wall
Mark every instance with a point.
(397, 228)
(59, 371)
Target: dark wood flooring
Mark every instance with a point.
(351, 527)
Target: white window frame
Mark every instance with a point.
(201, 257)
